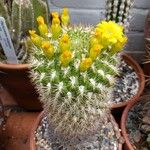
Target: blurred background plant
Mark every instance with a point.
(20, 16)
(119, 11)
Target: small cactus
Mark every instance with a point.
(74, 75)
(20, 16)
(119, 11)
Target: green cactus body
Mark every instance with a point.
(22, 19)
(74, 100)
(119, 11)
(4, 12)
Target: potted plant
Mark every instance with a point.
(135, 124)
(130, 82)
(20, 16)
(74, 70)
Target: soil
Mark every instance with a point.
(127, 84)
(107, 138)
(138, 124)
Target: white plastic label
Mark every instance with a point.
(6, 43)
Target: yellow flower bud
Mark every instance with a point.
(55, 21)
(85, 64)
(48, 49)
(36, 39)
(55, 14)
(65, 58)
(65, 11)
(65, 42)
(32, 33)
(42, 26)
(40, 20)
(95, 51)
(56, 28)
(65, 18)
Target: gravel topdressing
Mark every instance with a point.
(127, 84)
(105, 139)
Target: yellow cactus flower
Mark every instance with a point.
(55, 14)
(36, 39)
(95, 51)
(98, 33)
(65, 42)
(65, 18)
(85, 64)
(48, 49)
(56, 29)
(119, 45)
(111, 32)
(42, 26)
(65, 58)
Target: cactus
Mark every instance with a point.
(21, 16)
(74, 74)
(119, 11)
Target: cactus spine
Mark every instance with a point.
(21, 16)
(74, 74)
(119, 11)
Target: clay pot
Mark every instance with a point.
(14, 78)
(36, 124)
(147, 35)
(128, 145)
(1, 116)
(131, 62)
(16, 132)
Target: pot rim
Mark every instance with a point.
(38, 120)
(124, 118)
(14, 66)
(141, 77)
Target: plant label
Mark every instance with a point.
(6, 43)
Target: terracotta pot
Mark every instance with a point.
(14, 78)
(1, 116)
(128, 145)
(36, 124)
(147, 35)
(17, 128)
(131, 62)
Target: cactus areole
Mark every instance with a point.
(74, 69)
